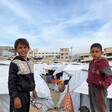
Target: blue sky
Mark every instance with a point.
(53, 24)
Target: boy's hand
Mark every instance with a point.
(17, 103)
(104, 85)
(34, 94)
(61, 87)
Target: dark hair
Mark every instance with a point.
(96, 45)
(22, 41)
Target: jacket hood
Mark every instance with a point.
(100, 60)
(20, 58)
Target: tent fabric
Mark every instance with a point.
(70, 69)
(43, 104)
(44, 100)
(83, 88)
(4, 102)
(4, 79)
(59, 69)
(41, 86)
(67, 102)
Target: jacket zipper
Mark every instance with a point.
(28, 66)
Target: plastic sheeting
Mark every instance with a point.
(43, 104)
(41, 87)
(70, 69)
(44, 100)
(4, 103)
(83, 88)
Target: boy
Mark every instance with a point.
(21, 78)
(99, 79)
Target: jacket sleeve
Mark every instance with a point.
(12, 80)
(108, 77)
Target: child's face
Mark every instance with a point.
(22, 50)
(96, 53)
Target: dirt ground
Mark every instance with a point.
(55, 97)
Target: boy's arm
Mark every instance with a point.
(108, 78)
(34, 94)
(12, 80)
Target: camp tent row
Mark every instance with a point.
(77, 85)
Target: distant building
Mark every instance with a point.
(64, 53)
(7, 51)
(48, 55)
(108, 53)
(86, 57)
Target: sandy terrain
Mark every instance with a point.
(55, 97)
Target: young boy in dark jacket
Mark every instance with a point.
(21, 78)
(99, 79)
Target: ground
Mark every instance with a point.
(55, 97)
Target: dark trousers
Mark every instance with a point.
(25, 101)
(98, 99)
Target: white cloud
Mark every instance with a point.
(17, 8)
(51, 24)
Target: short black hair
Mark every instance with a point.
(98, 45)
(22, 41)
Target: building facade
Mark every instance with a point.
(9, 52)
(108, 53)
(86, 57)
(64, 53)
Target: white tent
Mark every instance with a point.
(59, 69)
(40, 68)
(83, 88)
(4, 97)
(44, 100)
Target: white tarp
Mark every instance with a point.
(44, 100)
(4, 103)
(40, 68)
(54, 66)
(4, 97)
(71, 68)
(4, 79)
(59, 69)
(83, 88)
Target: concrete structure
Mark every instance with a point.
(86, 57)
(6, 52)
(64, 53)
(50, 57)
(108, 53)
